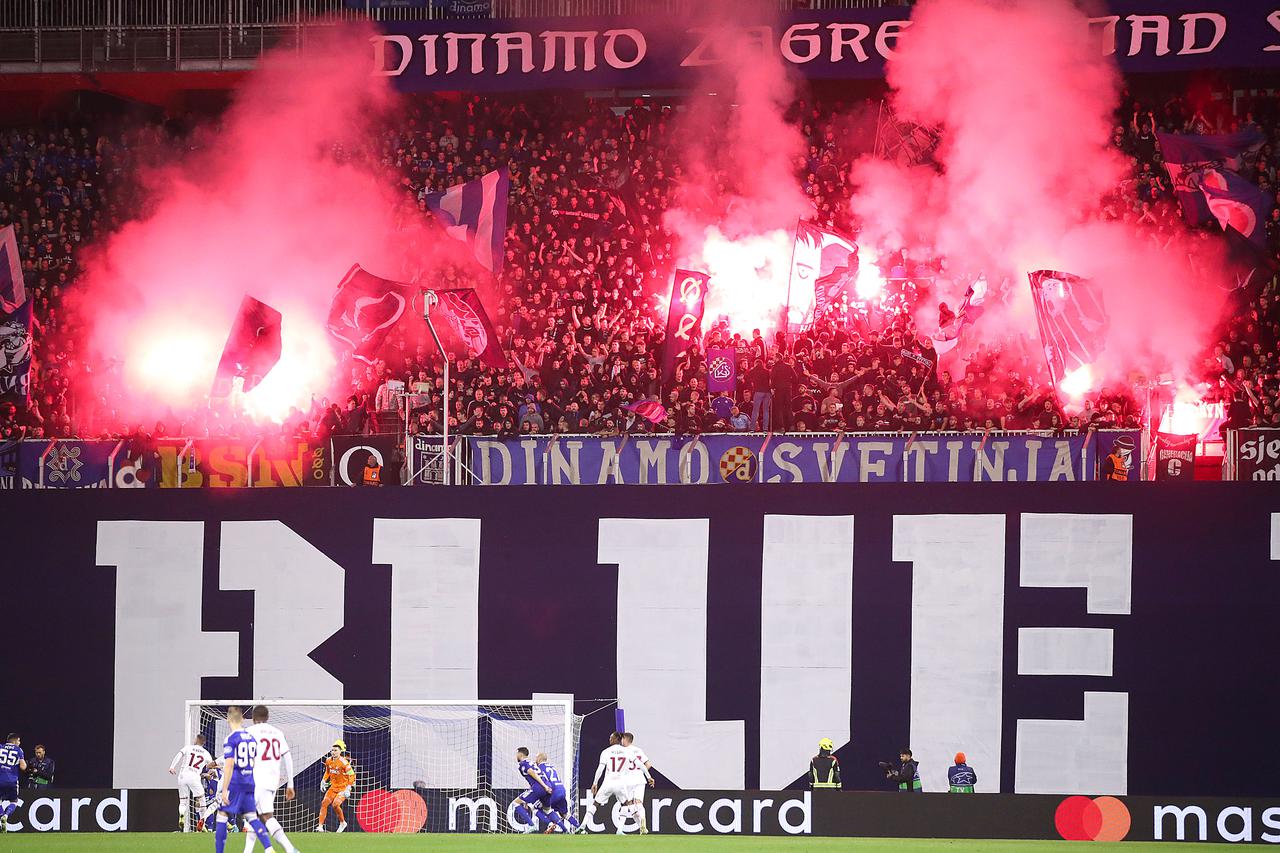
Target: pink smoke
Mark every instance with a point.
(735, 209)
(276, 201)
(1024, 100)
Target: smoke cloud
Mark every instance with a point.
(277, 200)
(738, 198)
(1025, 165)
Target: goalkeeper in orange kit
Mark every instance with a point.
(339, 776)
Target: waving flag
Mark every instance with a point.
(364, 310)
(684, 318)
(1237, 205)
(826, 259)
(15, 352)
(252, 348)
(464, 313)
(13, 291)
(651, 410)
(1189, 158)
(1073, 321)
(722, 370)
(475, 213)
(947, 337)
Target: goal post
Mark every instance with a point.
(444, 765)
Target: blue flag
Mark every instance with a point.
(12, 290)
(722, 370)
(475, 213)
(15, 352)
(365, 309)
(684, 318)
(947, 337)
(1237, 204)
(1072, 318)
(253, 347)
(1187, 157)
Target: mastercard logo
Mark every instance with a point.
(391, 811)
(1097, 819)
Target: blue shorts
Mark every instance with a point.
(240, 801)
(558, 800)
(9, 793)
(534, 796)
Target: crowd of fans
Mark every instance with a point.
(587, 263)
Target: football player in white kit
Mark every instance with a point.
(610, 779)
(189, 766)
(637, 776)
(273, 751)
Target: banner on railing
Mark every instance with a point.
(745, 458)
(426, 461)
(65, 464)
(629, 51)
(1257, 454)
(225, 463)
(654, 459)
(9, 464)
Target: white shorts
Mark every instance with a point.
(190, 784)
(611, 788)
(635, 792)
(265, 800)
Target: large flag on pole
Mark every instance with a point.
(13, 291)
(475, 213)
(364, 310)
(463, 311)
(1237, 205)
(947, 337)
(252, 348)
(15, 352)
(1072, 318)
(1189, 158)
(825, 259)
(684, 318)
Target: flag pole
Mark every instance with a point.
(430, 300)
(791, 267)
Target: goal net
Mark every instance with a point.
(437, 766)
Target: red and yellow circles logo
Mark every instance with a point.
(1097, 819)
(391, 811)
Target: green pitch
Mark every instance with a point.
(356, 843)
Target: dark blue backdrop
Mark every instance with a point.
(677, 52)
(1197, 654)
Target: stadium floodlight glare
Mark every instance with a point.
(452, 759)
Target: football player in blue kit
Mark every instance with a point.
(12, 762)
(539, 791)
(557, 810)
(235, 793)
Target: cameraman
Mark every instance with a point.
(907, 775)
(40, 769)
